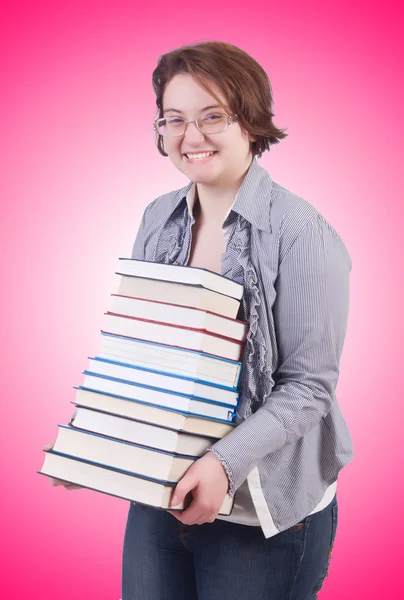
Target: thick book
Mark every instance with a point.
(164, 398)
(122, 455)
(182, 337)
(181, 274)
(125, 485)
(136, 432)
(178, 293)
(161, 380)
(178, 361)
(179, 315)
(155, 415)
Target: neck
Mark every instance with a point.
(212, 201)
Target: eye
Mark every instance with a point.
(213, 117)
(174, 120)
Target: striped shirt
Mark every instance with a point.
(291, 439)
(244, 512)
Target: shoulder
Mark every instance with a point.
(294, 217)
(159, 211)
(163, 206)
(154, 219)
(290, 213)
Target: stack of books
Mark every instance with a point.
(163, 388)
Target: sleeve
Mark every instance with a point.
(310, 317)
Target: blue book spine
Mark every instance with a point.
(157, 389)
(231, 414)
(166, 373)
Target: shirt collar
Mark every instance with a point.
(253, 200)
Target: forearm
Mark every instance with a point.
(291, 411)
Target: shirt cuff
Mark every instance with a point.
(243, 448)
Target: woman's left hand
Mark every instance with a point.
(208, 481)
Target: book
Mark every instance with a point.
(136, 432)
(163, 398)
(122, 455)
(158, 379)
(117, 483)
(181, 274)
(183, 337)
(178, 293)
(178, 361)
(157, 415)
(163, 388)
(181, 316)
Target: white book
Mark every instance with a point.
(171, 335)
(182, 316)
(177, 361)
(166, 381)
(178, 293)
(118, 454)
(181, 274)
(154, 415)
(144, 434)
(129, 390)
(116, 483)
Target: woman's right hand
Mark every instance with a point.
(55, 482)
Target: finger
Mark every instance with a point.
(192, 514)
(205, 518)
(199, 512)
(179, 515)
(183, 487)
(186, 521)
(208, 519)
(48, 446)
(56, 482)
(73, 487)
(191, 520)
(176, 514)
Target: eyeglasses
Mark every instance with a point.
(211, 123)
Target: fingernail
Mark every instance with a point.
(175, 500)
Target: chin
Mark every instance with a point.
(204, 179)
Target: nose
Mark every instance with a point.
(192, 134)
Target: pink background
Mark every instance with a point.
(78, 167)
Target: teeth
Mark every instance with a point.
(200, 155)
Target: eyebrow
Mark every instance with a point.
(202, 109)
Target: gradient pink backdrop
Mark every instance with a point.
(78, 167)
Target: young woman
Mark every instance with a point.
(282, 460)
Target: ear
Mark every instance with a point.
(248, 136)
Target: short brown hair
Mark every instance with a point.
(241, 79)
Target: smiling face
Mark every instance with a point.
(232, 155)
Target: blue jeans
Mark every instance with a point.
(166, 560)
